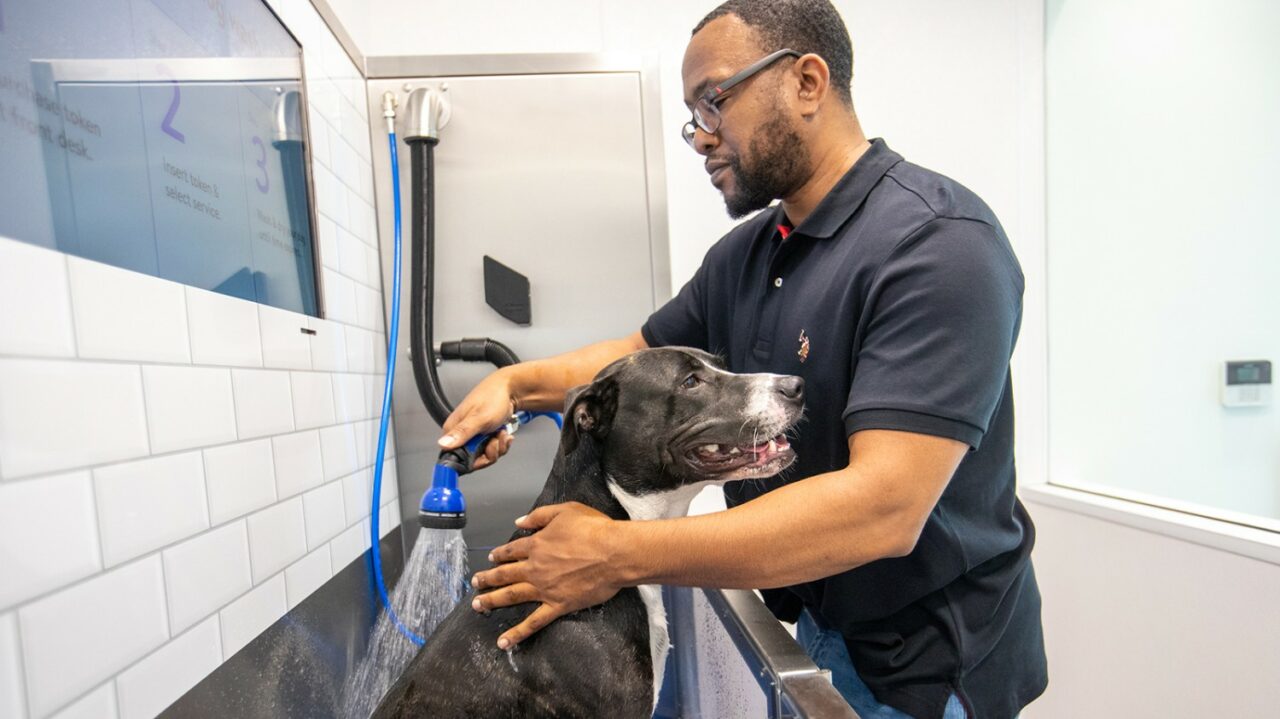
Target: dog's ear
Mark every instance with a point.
(589, 411)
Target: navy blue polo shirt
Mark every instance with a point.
(898, 301)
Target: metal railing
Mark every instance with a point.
(793, 686)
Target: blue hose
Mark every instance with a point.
(392, 332)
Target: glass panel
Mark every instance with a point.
(162, 136)
(1163, 173)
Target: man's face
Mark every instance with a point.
(756, 155)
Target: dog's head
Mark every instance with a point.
(673, 417)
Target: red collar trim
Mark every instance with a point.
(784, 230)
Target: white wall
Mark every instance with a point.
(1139, 624)
(1162, 160)
(178, 468)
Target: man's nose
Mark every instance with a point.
(790, 387)
(704, 142)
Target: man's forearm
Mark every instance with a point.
(542, 384)
(814, 528)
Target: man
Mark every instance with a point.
(896, 541)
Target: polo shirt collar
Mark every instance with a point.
(848, 194)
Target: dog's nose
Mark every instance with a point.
(791, 387)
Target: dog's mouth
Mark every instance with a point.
(716, 459)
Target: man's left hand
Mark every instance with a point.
(566, 565)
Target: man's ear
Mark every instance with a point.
(589, 411)
(813, 79)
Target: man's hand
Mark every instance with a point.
(485, 408)
(566, 565)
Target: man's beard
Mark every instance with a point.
(777, 168)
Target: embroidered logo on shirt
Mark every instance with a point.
(803, 353)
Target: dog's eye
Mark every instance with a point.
(691, 381)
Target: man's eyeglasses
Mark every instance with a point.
(706, 111)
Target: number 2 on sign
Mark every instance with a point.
(167, 123)
(264, 184)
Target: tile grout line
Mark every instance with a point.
(23, 690)
(71, 307)
(97, 521)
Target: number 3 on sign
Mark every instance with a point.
(264, 184)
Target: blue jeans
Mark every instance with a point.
(827, 649)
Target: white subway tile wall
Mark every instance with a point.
(120, 314)
(325, 514)
(264, 402)
(74, 640)
(12, 693)
(224, 330)
(298, 465)
(47, 536)
(204, 574)
(306, 575)
(97, 704)
(149, 504)
(277, 538)
(241, 478)
(189, 461)
(46, 425)
(152, 684)
(248, 616)
(35, 302)
(188, 406)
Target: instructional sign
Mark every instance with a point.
(182, 158)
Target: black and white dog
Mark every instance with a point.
(639, 442)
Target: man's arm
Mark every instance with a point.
(874, 508)
(534, 385)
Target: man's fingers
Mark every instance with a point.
(542, 516)
(541, 617)
(505, 597)
(457, 433)
(491, 449)
(514, 550)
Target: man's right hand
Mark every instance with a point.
(486, 408)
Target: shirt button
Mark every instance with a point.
(777, 282)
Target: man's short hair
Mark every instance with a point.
(807, 26)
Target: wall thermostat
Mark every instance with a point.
(1246, 384)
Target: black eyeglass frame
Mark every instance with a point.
(706, 111)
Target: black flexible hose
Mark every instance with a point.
(422, 278)
(422, 289)
(479, 349)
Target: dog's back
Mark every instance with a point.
(557, 672)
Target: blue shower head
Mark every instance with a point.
(443, 506)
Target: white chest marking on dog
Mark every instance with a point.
(659, 505)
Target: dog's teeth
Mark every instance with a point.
(735, 450)
(709, 449)
(773, 446)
